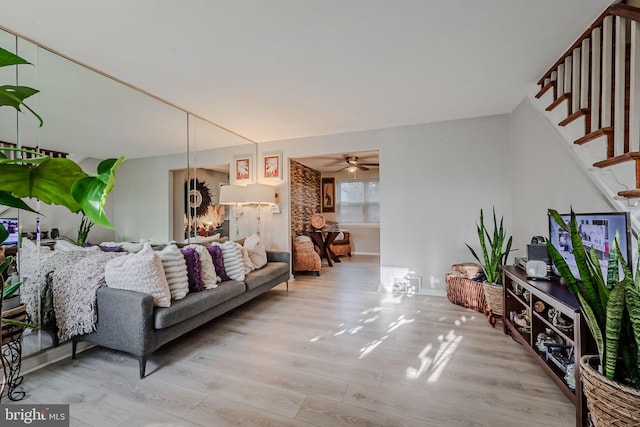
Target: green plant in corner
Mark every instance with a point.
(56, 181)
(494, 251)
(611, 307)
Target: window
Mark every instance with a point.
(358, 201)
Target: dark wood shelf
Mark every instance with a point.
(553, 295)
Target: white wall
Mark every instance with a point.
(544, 175)
(434, 179)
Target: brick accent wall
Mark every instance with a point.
(305, 197)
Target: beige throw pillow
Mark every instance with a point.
(257, 251)
(141, 271)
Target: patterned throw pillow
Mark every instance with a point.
(233, 261)
(193, 269)
(175, 270)
(207, 269)
(218, 262)
(141, 271)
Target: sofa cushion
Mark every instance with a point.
(195, 303)
(261, 276)
(218, 262)
(193, 269)
(233, 260)
(208, 271)
(142, 272)
(175, 270)
(257, 251)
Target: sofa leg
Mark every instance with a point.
(142, 362)
(287, 282)
(74, 347)
(317, 273)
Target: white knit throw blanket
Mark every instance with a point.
(74, 293)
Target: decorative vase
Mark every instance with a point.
(610, 403)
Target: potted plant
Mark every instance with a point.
(611, 309)
(57, 181)
(495, 248)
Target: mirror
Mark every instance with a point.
(92, 116)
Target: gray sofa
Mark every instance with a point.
(129, 322)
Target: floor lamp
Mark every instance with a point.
(260, 194)
(233, 195)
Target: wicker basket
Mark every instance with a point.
(8, 332)
(609, 403)
(494, 295)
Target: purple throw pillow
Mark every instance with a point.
(193, 269)
(111, 248)
(218, 262)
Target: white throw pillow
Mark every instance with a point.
(233, 261)
(257, 251)
(175, 271)
(141, 271)
(207, 269)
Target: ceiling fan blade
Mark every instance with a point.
(361, 167)
(369, 164)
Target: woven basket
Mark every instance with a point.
(494, 295)
(8, 332)
(609, 403)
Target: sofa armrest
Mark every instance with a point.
(278, 256)
(120, 310)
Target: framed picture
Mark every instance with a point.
(243, 167)
(328, 194)
(273, 165)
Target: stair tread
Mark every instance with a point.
(559, 100)
(618, 159)
(545, 88)
(593, 135)
(630, 194)
(580, 113)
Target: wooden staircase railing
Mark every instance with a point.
(12, 154)
(598, 78)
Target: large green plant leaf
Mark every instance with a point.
(615, 308)
(91, 191)
(574, 288)
(8, 58)
(13, 96)
(50, 181)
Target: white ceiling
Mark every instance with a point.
(280, 69)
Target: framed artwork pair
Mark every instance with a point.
(244, 169)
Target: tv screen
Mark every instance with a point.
(11, 225)
(598, 231)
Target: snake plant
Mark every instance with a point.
(611, 306)
(494, 251)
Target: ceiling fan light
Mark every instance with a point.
(352, 168)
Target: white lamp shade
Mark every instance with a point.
(232, 194)
(260, 193)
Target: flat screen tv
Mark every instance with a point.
(598, 231)
(11, 225)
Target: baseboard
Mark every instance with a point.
(366, 253)
(46, 357)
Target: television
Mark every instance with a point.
(598, 231)
(11, 225)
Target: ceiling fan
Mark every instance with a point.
(354, 164)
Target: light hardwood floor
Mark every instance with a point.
(330, 352)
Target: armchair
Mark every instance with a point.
(305, 257)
